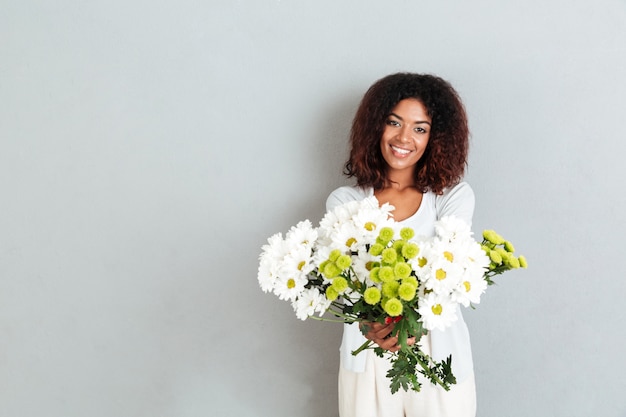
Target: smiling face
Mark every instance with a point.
(406, 134)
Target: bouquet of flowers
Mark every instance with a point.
(360, 265)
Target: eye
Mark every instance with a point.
(420, 130)
(391, 122)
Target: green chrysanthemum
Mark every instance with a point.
(340, 284)
(331, 293)
(333, 255)
(343, 262)
(372, 295)
(512, 261)
(385, 274)
(393, 307)
(386, 234)
(402, 270)
(502, 252)
(407, 233)
(376, 249)
(410, 280)
(410, 250)
(407, 291)
(374, 274)
(389, 256)
(397, 245)
(390, 289)
(493, 237)
(331, 270)
(522, 261)
(509, 246)
(495, 257)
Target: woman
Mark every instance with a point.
(409, 144)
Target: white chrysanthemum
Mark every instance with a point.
(477, 258)
(321, 255)
(469, 290)
(275, 248)
(339, 215)
(442, 276)
(362, 265)
(352, 296)
(299, 261)
(309, 302)
(323, 305)
(348, 237)
(289, 287)
(371, 218)
(437, 312)
(475, 271)
(475, 263)
(270, 261)
(451, 228)
(322, 252)
(349, 212)
(445, 266)
(421, 263)
(267, 274)
(301, 234)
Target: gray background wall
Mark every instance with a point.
(148, 149)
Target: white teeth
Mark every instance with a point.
(400, 150)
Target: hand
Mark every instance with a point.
(379, 334)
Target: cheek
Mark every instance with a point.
(384, 140)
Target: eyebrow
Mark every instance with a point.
(417, 122)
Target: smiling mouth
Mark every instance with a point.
(400, 150)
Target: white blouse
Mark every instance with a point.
(455, 340)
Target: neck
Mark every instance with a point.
(400, 180)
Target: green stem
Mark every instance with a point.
(324, 319)
(429, 372)
(347, 318)
(361, 348)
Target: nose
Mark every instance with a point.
(405, 134)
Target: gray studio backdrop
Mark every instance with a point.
(149, 148)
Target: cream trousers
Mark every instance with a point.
(367, 394)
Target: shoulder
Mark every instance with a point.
(458, 200)
(461, 191)
(346, 194)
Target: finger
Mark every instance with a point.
(388, 343)
(376, 327)
(383, 333)
(385, 330)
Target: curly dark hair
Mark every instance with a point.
(445, 158)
